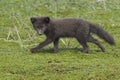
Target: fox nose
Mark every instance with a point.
(40, 32)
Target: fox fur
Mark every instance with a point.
(77, 28)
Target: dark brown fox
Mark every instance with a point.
(69, 27)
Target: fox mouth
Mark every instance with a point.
(40, 33)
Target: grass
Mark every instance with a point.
(17, 37)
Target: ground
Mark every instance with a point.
(17, 37)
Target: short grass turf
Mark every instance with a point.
(17, 37)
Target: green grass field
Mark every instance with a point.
(17, 37)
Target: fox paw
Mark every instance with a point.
(33, 50)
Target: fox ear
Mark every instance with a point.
(33, 20)
(47, 19)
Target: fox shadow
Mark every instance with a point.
(50, 50)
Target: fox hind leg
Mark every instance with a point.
(91, 39)
(83, 42)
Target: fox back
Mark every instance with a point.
(66, 27)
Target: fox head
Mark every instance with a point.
(40, 24)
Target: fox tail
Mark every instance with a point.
(102, 34)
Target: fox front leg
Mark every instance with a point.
(56, 45)
(41, 45)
